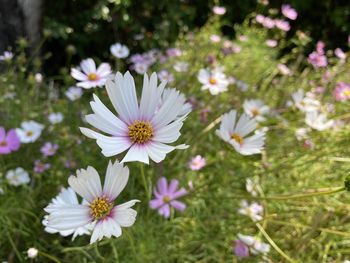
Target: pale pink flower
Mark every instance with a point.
(268, 23)
(40, 167)
(317, 60)
(219, 10)
(340, 54)
(289, 12)
(271, 43)
(284, 69)
(215, 38)
(282, 24)
(342, 91)
(49, 149)
(9, 142)
(197, 163)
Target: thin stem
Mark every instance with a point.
(54, 259)
(145, 185)
(273, 244)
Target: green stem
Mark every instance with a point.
(54, 259)
(274, 245)
(145, 185)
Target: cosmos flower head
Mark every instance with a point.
(197, 163)
(173, 52)
(318, 120)
(236, 133)
(17, 177)
(284, 69)
(6, 56)
(219, 10)
(342, 91)
(256, 109)
(271, 43)
(305, 102)
(181, 66)
(67, 196)
(9, 141)
(89, 76)
(253, 245)
(143, 129)
(289, 12)
(166, 76)
(32, 252)
(55, 117)
(215, 80)
(119, 51)
(74, 93)
(282, 24)
(166, 196)
(107, 219)
(40, 166)
(253, 210)
(340, 54)
(49, 149)
(30, 131)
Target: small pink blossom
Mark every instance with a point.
(173, 52)
(9, 142)
(49, 149)
(197, 163)
(317, 60)
(259, 18)
(166, 196)
(282, 24)
(243, 38)
(40, 167)
(342, 91)
(340, 54)
(320, 45)
(219, 10)
(284, 69)
(289, 12)
(271, 43)
(215, 38)
(268, 23)
(241, 250)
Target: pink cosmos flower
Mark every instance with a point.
(289, 12)
(320, 47)
(268, 23)
(166, 195)
(90, 77)
(173, 52)
(260, 18)
(215, 38)
(241, 250)
(282, 24)
(317, 60)
(197, 163)
(284, 69)
(271, 43)
(342, 91)
(9, 142)
(340, 54)
(40, 167)
(219, 10)
(49, 149)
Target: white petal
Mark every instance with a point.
(137, 152)
(116, 179)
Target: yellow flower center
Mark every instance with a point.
(92, 76)
(3, 143)
(237, 138)
(255, 112)
(212, 81)
(166, 199)
(140, 132)
(100, 207)
(346, 93)
(29, 133)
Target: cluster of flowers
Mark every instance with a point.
(318, 58)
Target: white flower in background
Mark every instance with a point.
(6, 56)
(215, 80)
(253, 210)
(143, 130)
(181, 66)
(252, 186)
(30, 131)
(284, 69)
(255, 245)
(164, 75)
(55, 117)
(301, 134)
(38, 78)
(119, 51)
(99, 209)
(242, 85)
(318, 121)
(89, 76)
(235, 133)
(17, 177)
(255, 109)
(32, 252)
(305, 103)
(74, 93)
(67, 196)
(141, 68)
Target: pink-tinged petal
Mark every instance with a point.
(78, 75)
(5, 150)
(125, 217)
(157, 151)
(162, 186)
(173, 185)
(165, 211)
(86, 84)
(104, 70)
(178, 205)
(106, 227)
(2, 134)
(88, 66)
(156, 203)
(13, 140)
(179, 193)
(137, 152)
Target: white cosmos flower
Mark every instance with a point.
(144, 130)
(30, 131)
(141, 68)
(67, 196)
(17, 177)
(235, 133)
(119, 51)
(165, 75)
(55, 117)
(99, 208)
(305, 103)
(90, 77)
(215, 80)
(255, 109)
(255, 245)
(181, 66)
(74, 93)
(253, 210)
(318, 121)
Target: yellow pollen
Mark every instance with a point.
(237, 138)
(29, 133)
(212, 81)
(166, 199)
(3, 143)
(140, 132)
(92, 76)
(100, 207)
(255, 112)
(346, 93)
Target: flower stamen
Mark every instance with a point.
(212, 81)
(100, 207)
(237, 138)
(140, 132)
(92, 76)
